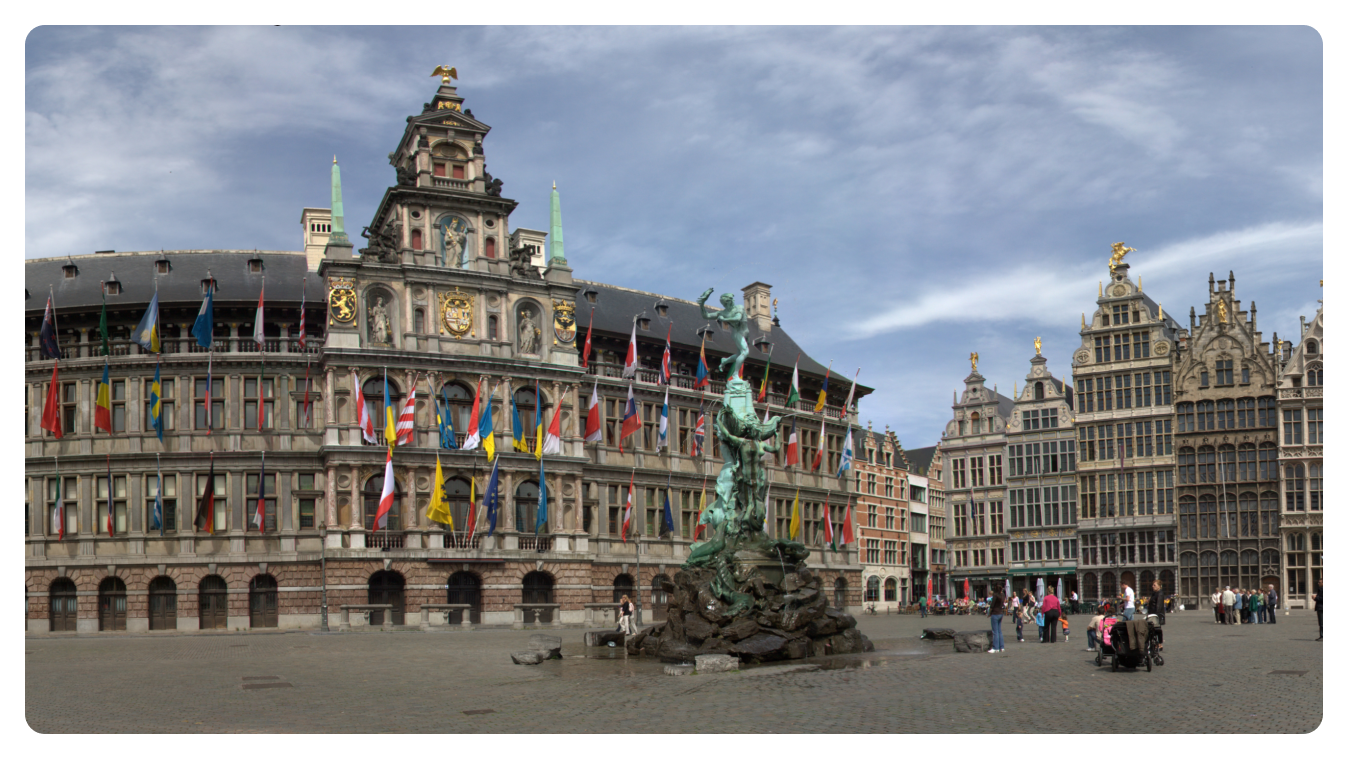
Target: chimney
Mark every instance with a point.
(758, 305)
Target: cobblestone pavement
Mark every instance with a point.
(1216, 679)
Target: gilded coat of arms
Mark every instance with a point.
(456, 313)
(342, 300)
(564, 320)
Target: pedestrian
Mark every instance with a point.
(1075, 603)
(1092, 630)
(625, 624)
(1319, 609)
(1217, 607)
(1019, 612)
(1239, 601)
(1052, 609)
(1128, 602)
(1272, 606)
(1228, 605)
(1066, 628)
(922, 605)
(995, 610)
(1155, 605)
(1256, 607)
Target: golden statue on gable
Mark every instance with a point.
(1116, 258)
(1221, 311)
(1037, 345)
(973, 360)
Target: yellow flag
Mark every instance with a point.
(390, 431)
(795, 517)
(438, 510)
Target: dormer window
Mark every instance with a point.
(70, 271)
(763, 345)
(255, 266)
(644, 323)
(161, 266)
(662, 309)
(112, 287)
(591, 294)
(1311, 347)
(706, 333)
(207, 285)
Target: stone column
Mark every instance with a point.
(507, 501)
(233, 337)
(357, 508)
(330, 488)
(329, 392)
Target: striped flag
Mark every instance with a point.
(385, 497)
(553, 442)
(819, 404)
(362, 411)
(763, 387)
(819, 452)
(585, 354)
(472, 439)
(60, 510)
(304, 334)
(203, 328)
(103, 402)
(407, 419)
(158, 516)
(517, 427)
(147, 332)
(701, 510)
(390, 428)
(631, 419)
(630, 367)
(206, 504)
(795, 518)
(157, 405)
(51, 409)
(700, 430)
(793, 446)
(703, 375)
(627, 514)
(594, 433)
(260, 511)
(793, 397)
(664, 360)
(472, 507)
(829, 537)
(846, 460)
(258, 336)
(662, 440)
(485, 428)
(49, 346)
(848, 528)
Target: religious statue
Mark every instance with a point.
(529, 332)
(733, 317)
(379, 322)
(454, 243)
(1037, 345)
(1116, 258)
(1221, 311)
(973, 360)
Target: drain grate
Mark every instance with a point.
(1295, 672)
(479, 711)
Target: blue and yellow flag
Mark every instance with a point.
(538, 429)
(147, 332)
(517, 427)
(445, 417)
(157, 405)
(484, 428)
(390, 430)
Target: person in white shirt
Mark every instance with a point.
(1228, 604)
(1128, 605)
(1074, 602)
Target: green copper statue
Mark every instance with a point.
(733, 317)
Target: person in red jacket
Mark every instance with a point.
(1052, 610)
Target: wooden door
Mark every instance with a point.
(63, 606)
(112, 605)
(262, 602)
(537, 590)
(214, 603)
(163, 604)
(386, 588)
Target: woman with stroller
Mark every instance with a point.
(1154, 604)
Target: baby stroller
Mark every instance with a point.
(1115, 643)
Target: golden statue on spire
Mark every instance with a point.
(1037, 345)
(445, 73)
(1116, 258)
(973, 360)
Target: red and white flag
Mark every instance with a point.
(593, 432)
(386, 497)
(303, 334)
(627, 515)
(362, 411)
(51, 410)
(585, 355)
(631, 419)
(259, 514)
(848, 533)
(630, 368)
(828, 522)
(257, 320)
(407, 419)
(473, 438)
(664, 360)
(819, 452)
(552, 442)
(793, 446)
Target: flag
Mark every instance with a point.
(553, 442)
(794, 532)
(304, 335)
(48, 345)
(541, 518)
(103, 403)
(928, 588)
(819, 404)
(848, 403)
(766, 491)
(631, 420)
(845, 462)
(585, 355)
(819, 452)
(763, 387)
(444, 416)
(701, 510)
(103, 322)
(793, 397)
(472, 507)
(517, 427)
(407, 419)
(627, 514)
(386, 497)
(260, 512)
(306, 409)
(669, 514)
(793, 446)
(538, 421)
(662, 440)
(206, 505)
(699, 430)
(848, 531)
(390, 429)
(51, 410)
(438, 511)
(703, 376)
(204, 327)
(593, 432)
(157, 405)
(485, 428)
(60, 511)
(258, 336)
(158, 516)
(829, 537)
(473, 439)
(493, 496)
(110, 495)
(664, 360)
(630, 368)
(362, 411)
(147, 332)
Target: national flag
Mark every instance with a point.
(206, 505)
(258, 336)
(845, 462)
(819, 452)
(472, 507)
(829, 537)
(928, 588)
(585, 355)
(593, 431)
(147, 332)
(306, 408)
(794, 532)
(793, 446)
(472, 439)
(51, 410)
(700, 430)
(538, 421)
(793, 397)
(553, 442)
(630, 368)
(304, 334)
(157, 518)
(110, 496)
(390, 428)
(669, 514)
(763, 387)
(103, 321)
(386, 497)
(517, 427)
(541, 516)
(203, 329)
(631, 420)
(493, 496)
(260, 511)
(703, 376)
(157, 405)
(444, 416)
(664, 360)
(819, 404)
(740, 372)
(485, 428)
(766, 503)
(362, 411)
(662, 440)
(407, 419)
(439, 511)
(848, 528)
(627, 514)
(103, 402)
(60, 510)
(701, 510)
(848, 403)
(48, 345)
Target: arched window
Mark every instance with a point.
(1249, 515)
(1039, 391)
(1268, 514)
(872, 589)
(416, 239)
(163, 604)
(419, 320)
(1226, 516)
(1315, 376)
(974, 424)
(1226, 414)
(62, 609)
(1207, 416)
(623, 586)
(1090, 587)
(373, 390)
(1226, 463)
(1245, 413)
(891, 590)
(457, 494)
(1229, 569)
(1184, 413)
(1189, 576)
(1109, 586)
(1311, 348)
(262, 602)
(527, 404)
(374, 488)
(493, 328)
(526, 507)
(537, 590)
(840, 593)
(1249, 568)
(386, 587)
(460, 399)
(111, 605)
(1207, 516)
(1167, 582)
(213, 603)
(1144, 585)
(465, 588)
(1246, 470)
(1207, 574)
(1207, 464)
(659, 598)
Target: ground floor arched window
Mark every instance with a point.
(891, 590)
(465, 588)
(537, 590)
(386, 587)
(872, 589)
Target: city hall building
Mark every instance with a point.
(446, 301)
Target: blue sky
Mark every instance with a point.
(911, 193)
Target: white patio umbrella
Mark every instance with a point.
(1040, 587)
(1008, 587)
(1059, 588)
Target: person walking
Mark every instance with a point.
(922, 605)
(1018, 611)
(1052, 611)
(1272, 605)
(1076, 608)
(625, 624)
(1129, 602)
(1319, 610)
(1154, 604)
(1228, 604)
(995, 610)
(1217, 607)
(1240, 606)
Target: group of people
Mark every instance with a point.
(1046, 613)
(1250, 606)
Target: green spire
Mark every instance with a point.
(556, 232)
(338, 223)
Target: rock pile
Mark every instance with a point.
(541, 649)
(790, 620)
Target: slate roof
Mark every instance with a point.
(919, 459)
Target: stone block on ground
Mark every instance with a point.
(676, 652)
(527, 657)
(707, 663)
(797, 649)
(760, 647)
(975, 642)
(548, 645)
(938, 633)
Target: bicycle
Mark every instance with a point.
(871, 609)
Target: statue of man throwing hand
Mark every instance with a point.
(733, 317)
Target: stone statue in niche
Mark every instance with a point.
(380, 328)
(529, 332)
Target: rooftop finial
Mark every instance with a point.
(445, 73)
(555, 234)
(338, 215)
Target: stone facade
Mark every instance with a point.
(1301, 404)
(885, 518)
(974, 446)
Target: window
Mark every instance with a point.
(995, 519)
(1268, 461)
(493, 328)
(1291, 427)
(216, 393)
(250, 401)
(166, 405)
(1224, 372)
(1315, 426)
(419, 321)
(1244, 375)
(995, 469)
(220, 518)
(1315, 487)
(460, 406)
(269, 505)
(118, 501)
(69, 406)
(889, 487)
(891, 552)
(1296, 487)
(307, 500)
(118, 397)
(1203, 378)
(304, 417)
(374, 489)
(959, 474)
(872, 552)
(976, 471)
(1315, 376)
(170, 501)
(1268, 415)
(1226, 415)
(1207, 416)
(66, 488)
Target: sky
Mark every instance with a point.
(912, 194)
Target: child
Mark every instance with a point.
(1065, 626)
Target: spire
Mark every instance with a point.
(338, 225)
(556, 232)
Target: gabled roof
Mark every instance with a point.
(919, 459)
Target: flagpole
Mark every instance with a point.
(630, 495)
(159, 482)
